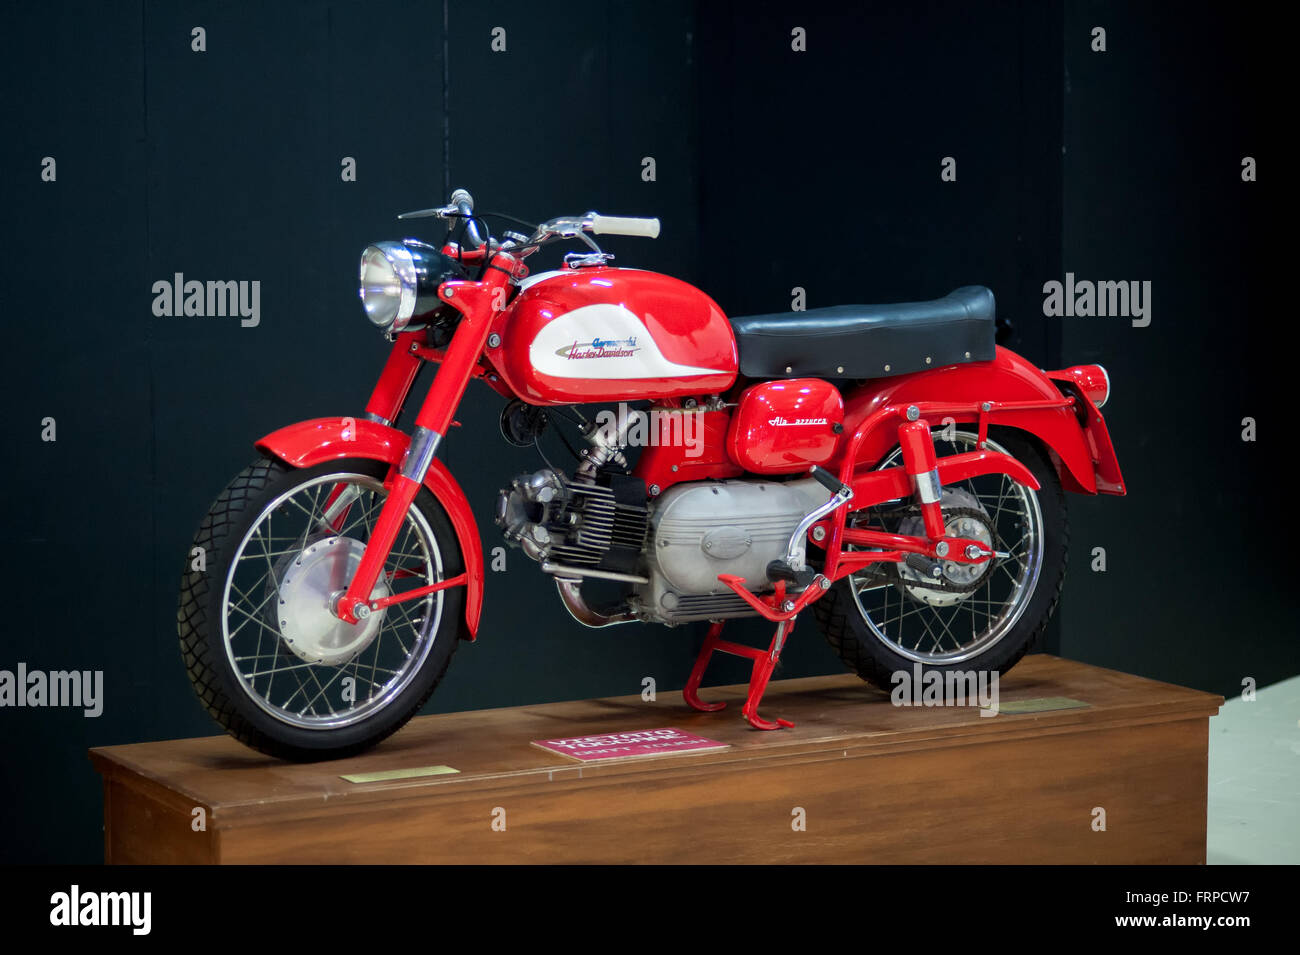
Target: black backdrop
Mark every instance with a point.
(774, 169)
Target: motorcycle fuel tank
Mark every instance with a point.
(609, 334)
(782, 427)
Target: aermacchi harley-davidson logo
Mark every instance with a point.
(608, 331)
(600, 348)
(779, 422)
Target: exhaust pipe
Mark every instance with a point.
(578, 609)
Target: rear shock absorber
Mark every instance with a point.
(922, 467)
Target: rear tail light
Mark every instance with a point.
(1092, 381)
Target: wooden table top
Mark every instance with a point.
(834, 716)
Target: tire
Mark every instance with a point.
(868, 649)
(212, 636)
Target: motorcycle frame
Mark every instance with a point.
(883, 414)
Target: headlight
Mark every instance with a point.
(387, 285)
(399, 282)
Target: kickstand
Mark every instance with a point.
(765, 662)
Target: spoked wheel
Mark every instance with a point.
(949, 616)
(264, 650)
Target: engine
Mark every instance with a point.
(589, 525)
(665, 555)
(701, 529)
(668, 553)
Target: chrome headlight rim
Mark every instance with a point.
(400, 260)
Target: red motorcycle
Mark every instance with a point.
(887, 466)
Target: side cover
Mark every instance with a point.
(783, 427)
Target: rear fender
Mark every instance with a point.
(1081, 453)
(308, 443)
(889, 484)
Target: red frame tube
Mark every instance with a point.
(895, 483)
(457, 581)
(477, 302)
(396, 379)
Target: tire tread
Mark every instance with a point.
(199, 652)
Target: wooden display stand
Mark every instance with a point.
(876, 783)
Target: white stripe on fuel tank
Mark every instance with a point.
(602, 341)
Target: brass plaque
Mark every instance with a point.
(388, 774)
(1041, 704)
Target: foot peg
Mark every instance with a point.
(831, 482)
(781, 570)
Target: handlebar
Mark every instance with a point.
(461, 205)
(464, 204)
(572, 227)
(624, 225)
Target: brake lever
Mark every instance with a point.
(442, 212)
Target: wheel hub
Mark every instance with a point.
(303, 605)
(956, 580)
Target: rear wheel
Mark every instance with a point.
(266, 654)
(945, 616)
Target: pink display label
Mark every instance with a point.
(639, 743)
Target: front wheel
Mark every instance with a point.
(267, 656)
(942, 616)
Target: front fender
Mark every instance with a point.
(308, 443)
(1084, 457)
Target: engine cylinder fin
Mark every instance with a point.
(708, 607)
(591, 521)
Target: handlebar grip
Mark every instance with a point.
(624, 225)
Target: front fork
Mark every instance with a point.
(478, 303)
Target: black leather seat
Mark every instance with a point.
(868, 341)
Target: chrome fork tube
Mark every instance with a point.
(419, 454)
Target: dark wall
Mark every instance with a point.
(820, 169)
(226, 165)
(774, 169)
(587, 97)
(1156, 129)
